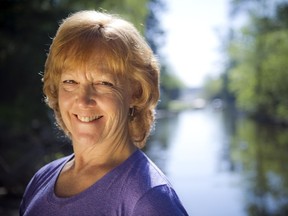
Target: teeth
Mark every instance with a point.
(88, 118)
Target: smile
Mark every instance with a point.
(87, 119)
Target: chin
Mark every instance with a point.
(85, 139)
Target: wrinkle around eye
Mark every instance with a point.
(104, 83)
(69, 85)
(107, 83)
(102, 88)
(107, 87)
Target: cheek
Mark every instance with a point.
(111, 104)
(121, 100)
(117, 105)
(64, 100)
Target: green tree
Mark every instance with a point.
(257, 77)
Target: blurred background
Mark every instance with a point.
(221, 133)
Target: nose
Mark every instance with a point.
(86, 97)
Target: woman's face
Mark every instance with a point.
(93, 105)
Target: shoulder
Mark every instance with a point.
(150, 188)
(142, 172)
(50, 168)
(43, 176)
(160, 200)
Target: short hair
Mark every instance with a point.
(121, 48)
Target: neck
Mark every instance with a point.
(104, 155)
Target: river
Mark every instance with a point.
(220, 166)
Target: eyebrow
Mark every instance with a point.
(101, 75)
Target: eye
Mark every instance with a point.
(104, 87)
(69, 82)
(106, 83)
(69, 85)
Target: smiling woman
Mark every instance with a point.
(74, 48)
(102, 81)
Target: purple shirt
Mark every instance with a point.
(134, 188)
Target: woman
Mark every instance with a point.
(101, 80)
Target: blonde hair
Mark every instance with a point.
(119, 47)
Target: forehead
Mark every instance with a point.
(92, 74)
(96, 61)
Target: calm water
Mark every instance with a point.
(222, 167)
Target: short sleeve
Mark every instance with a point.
(159, 201)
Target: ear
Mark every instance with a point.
(132, 112)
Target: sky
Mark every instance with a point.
(192, 42)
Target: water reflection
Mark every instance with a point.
(159, 142)
(222, 167)
(261, 153)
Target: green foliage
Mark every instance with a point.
(274, 73)
(134, 11)
(258, 77)
(242, 77)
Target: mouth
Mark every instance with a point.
(88, 119)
